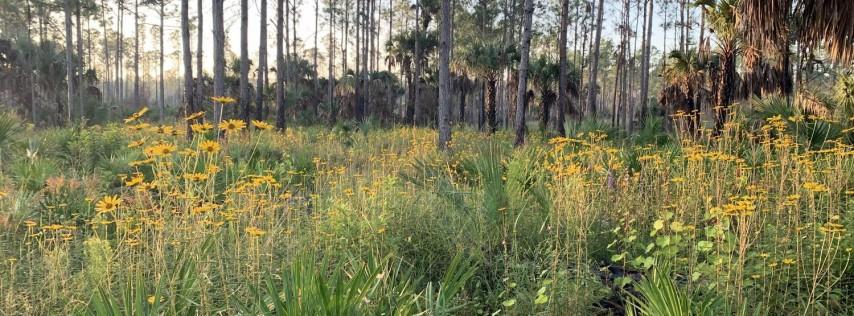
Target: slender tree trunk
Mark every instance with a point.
(645, 63)
(682, 24)
(390, 24)
(219, 58)
(563, 82)
(200, 48)
(417, 59)
(286, 77)
(106, 47)
(346, 36)
(594, 63)
(69, 61)
(32, 80)
(373, 37)
(619, 71)
(280, 65)
(188, 64)
(463, 86)
(521, 93)
(357, 105)
(330, 80)
(120, 54)
(445, 76)
(245, 101)
(81, 88)
(491, 126)
(316, 48)
(162, 87)
(136, 103)
(262, 64)
(409, 115)
(294, 35)
(366, 28)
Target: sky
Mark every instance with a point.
(305, 27)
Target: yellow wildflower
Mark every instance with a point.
(108, 204)
(224, 99)
(201, 127)
(209, 146)
(136, 143)
(137, 179)
(137, 115)
(229, 126)
(261, 125)
(195, 116)
(254, 231)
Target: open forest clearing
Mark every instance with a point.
(427, 157)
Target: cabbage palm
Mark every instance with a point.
(545, 74)
(684, 78)
(721, 18)
(486, 61)
(400, 52)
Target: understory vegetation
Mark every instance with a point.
(359, 219)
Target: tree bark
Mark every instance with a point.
(136, 103)
(262, 64)
(245, 101)
(219, 58)
(286, 77)
(521, 93)
(357, 105)
(445, 77)
(79, 64)
(417, 61)
(280, 65)
(161, 86)
(120, 91)
(330, 77)
(346, 33)
(594, 63)
(316, 48)
(189, 108)
(69, 61)
(199, 83)
(645, 63)
(562, 101)
(490, 105)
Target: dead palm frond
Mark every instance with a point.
(819, 22)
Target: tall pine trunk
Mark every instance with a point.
(199, 83)
(162, 87)
(417, 60)
(357, 105)
(280, 65)
(219, 58)
(245, 101)
(563, 83)
(69, 61)
(136, 103)
(444, 76)
(330, 77)
(521, 93)
(594, 63)
(644, 112)
(314, 68)
(262, 64)
(80, 89)
(188, 64)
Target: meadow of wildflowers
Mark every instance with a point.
(141, 219)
